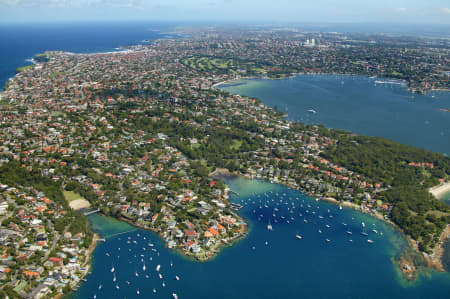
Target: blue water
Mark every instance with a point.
(359, 105)
(285, 268)
(20, 42)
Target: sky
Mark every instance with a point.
(289, 11)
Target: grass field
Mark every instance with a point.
(221, 65)
(70, 195)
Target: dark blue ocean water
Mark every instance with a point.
(284, 268)
(19, 42)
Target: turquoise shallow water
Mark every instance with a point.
(286, 267)
(358, 104)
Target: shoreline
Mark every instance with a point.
(440, 190)
(209, 255)
(433, 260)
(292, 75)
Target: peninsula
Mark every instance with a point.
(137, 134)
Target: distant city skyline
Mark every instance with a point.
(345, 11)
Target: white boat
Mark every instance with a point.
(100, 287)
(114, 279)
(269, 226)
(298, 236)
(174, 296)
(158, 267)
(163, 285)
(340, 207)
(370, 241)
(117, 286)
(143, 268)
(312, 111)
(112, 269)
(135, 273)
(327, 240)
(176, 277)
(137, 292)
(154, 290)
(160, 276)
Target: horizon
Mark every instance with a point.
(433, 12)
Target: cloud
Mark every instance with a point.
(72, 3)
(400, 10)
(445, 10)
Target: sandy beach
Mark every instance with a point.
(78, 204)
(440, 190)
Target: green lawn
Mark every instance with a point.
(71, 195)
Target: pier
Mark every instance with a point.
(87, 213)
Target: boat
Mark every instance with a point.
(158, 267)
(340, 207)
(312, 111)
(349, 232)
(174, 296)
(143, 268)
(269, 226)
(112, 269)
(327, 240)
(160, 276)
(114, 279)
(135, 273)
(163, 285)
(117, 286)
(298, 236)
(137, 292)
(266, 243)
(370, 241)
(364, 233)
(176, 277)
(154, 290)
(100, 287)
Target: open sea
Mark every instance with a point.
(265, 264)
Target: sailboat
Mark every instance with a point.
(363, 232)
(269, 226)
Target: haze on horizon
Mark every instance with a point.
(327, 11)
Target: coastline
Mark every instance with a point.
(441, 189)
(209, 255)
(403, 82)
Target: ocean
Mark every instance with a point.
(20, 42)
(286, 266)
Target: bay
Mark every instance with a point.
(358, 104)
(284, 268)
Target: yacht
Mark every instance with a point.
(269, 226)
(298, 236)
(370, 241)
(158, 267)
(112, 269)
(176, 277)
(143, 268)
